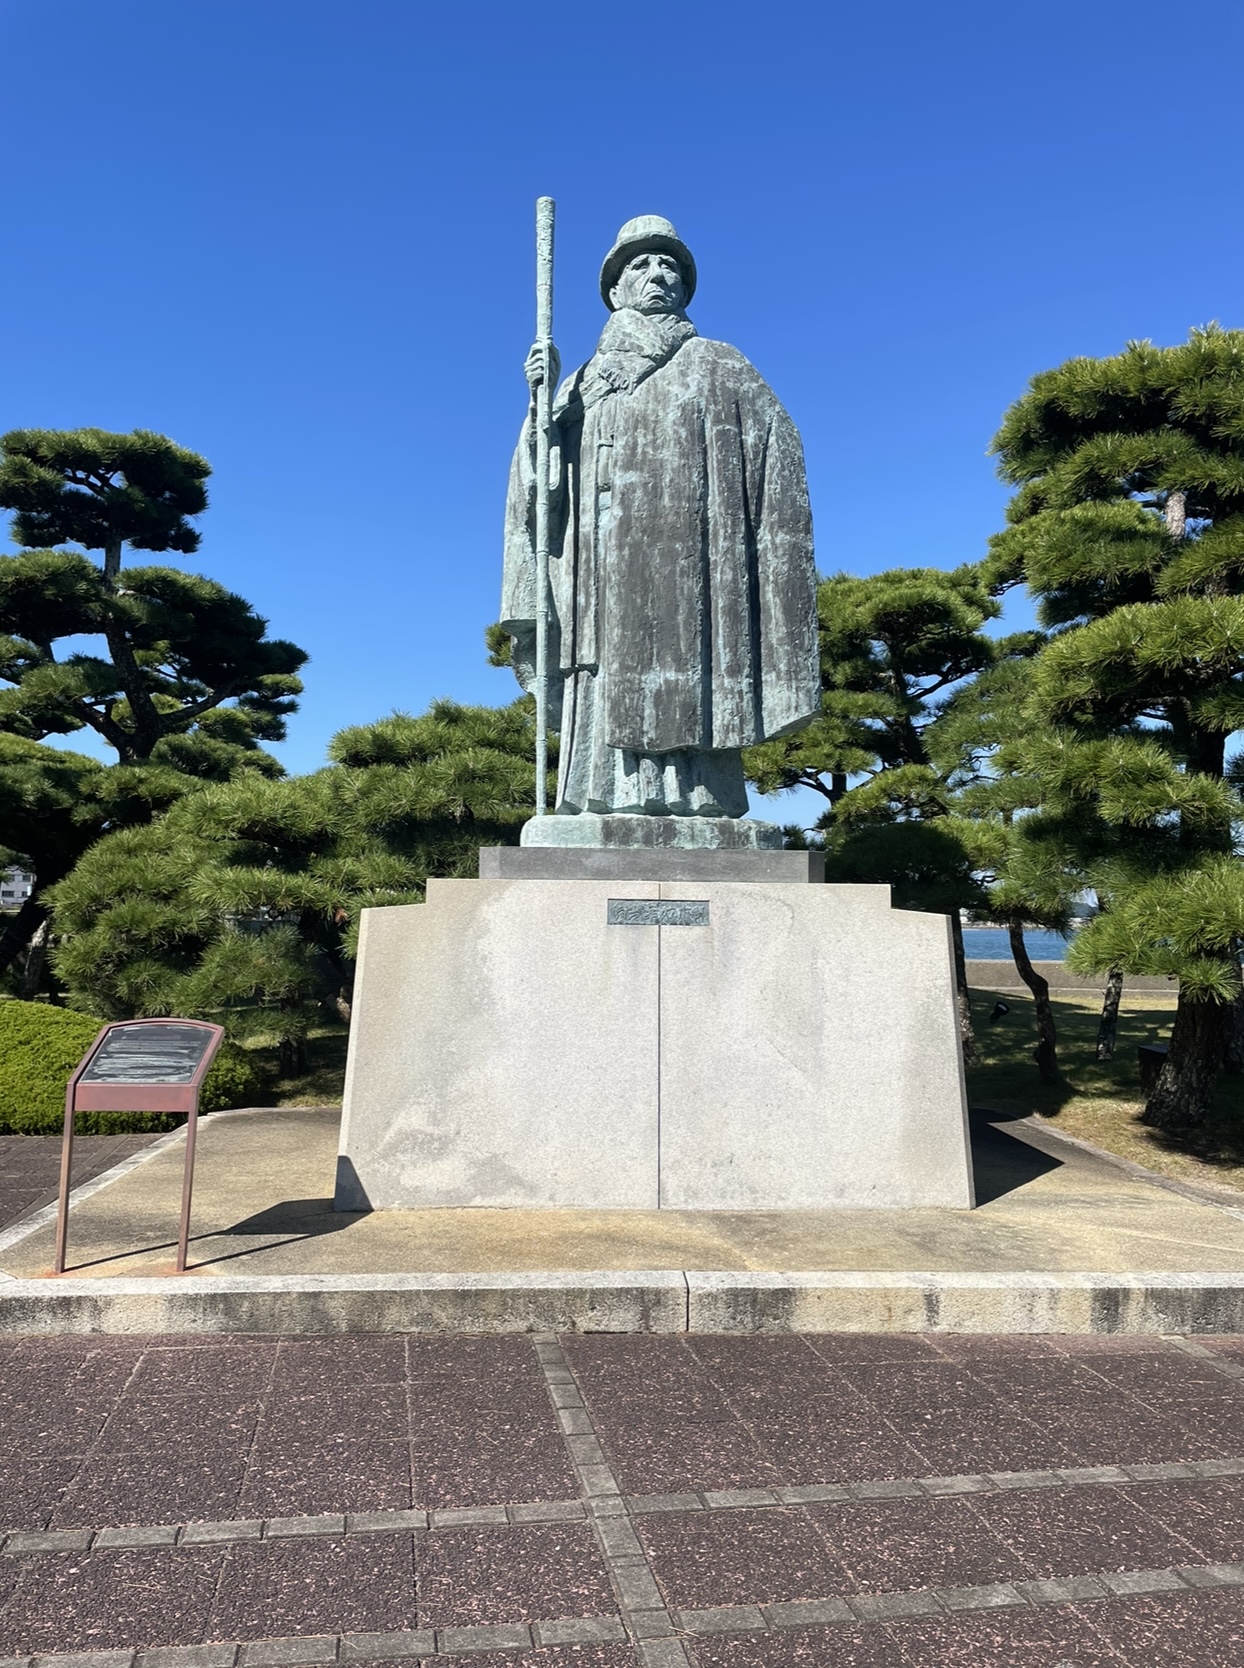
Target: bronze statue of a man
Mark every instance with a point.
(683, 614)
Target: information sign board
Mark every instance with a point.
(149, 1053)
(140, 1065)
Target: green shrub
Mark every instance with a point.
(39, 1048)
(234, 1080)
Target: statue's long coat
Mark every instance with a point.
(682, 575)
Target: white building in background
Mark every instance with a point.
(15, 887)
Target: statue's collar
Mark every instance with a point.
(632, 346)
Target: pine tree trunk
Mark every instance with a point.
(292, 1056)
(1181, 1096)
(1233, 1056)
(1108, 1026)
(1046, 1053)
(963, 999)
(145, 729)
(19, 929)
(36, 956)
(135, 744)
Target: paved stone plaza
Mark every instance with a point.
(227, 1500)
(30, 1167)
(714, 1501)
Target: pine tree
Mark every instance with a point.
(54, 805)
(102, 491)
(979, 743)
(892, 647)
(179, 646)
(241, 902)
(1129, 528)
(189, 685)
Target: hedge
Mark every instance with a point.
(39, 1048)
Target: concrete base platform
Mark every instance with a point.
(1063, 1240)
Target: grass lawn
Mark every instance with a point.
(323, 1082)
(1100, 1101)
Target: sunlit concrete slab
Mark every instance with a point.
(1062, 1239)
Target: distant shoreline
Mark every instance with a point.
(1000, 926)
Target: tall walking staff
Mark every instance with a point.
(544, 422)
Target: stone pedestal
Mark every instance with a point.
(631, 831)
(663, 863)
(689, 1043)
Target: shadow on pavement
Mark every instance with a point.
(299, 1218)
(1001, 1162)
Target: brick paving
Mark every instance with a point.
(30, 1167)
(600, 1501)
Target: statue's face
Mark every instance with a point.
(650, 283)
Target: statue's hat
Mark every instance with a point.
(646, 231)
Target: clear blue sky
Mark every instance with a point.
(297, 237)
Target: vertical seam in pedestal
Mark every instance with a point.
(660, 933)
(650, 1627)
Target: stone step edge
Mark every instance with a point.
(632, 1300)
(34, 1542)
(311, 1651)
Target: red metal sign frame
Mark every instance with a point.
(135, 1097)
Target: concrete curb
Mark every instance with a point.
(612, 1300)
(604, 1300)
(1220, 1196)
(951, 1302)
(1004, 976)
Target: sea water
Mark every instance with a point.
(993, 944)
